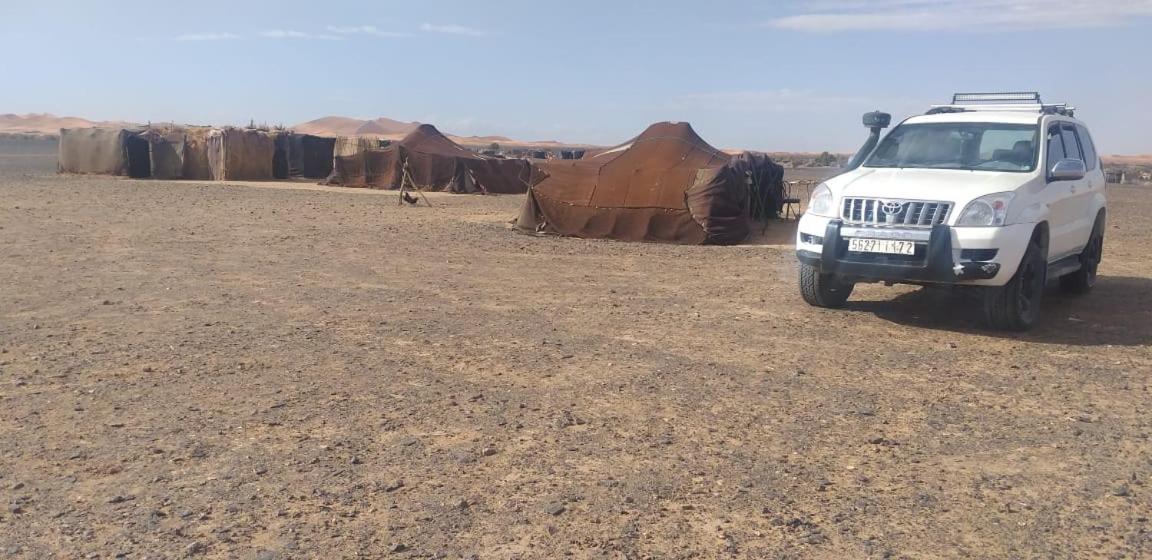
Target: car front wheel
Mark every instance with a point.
(1015, 306)
(823, 290)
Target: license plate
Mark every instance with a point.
(886, 246)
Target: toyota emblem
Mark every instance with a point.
(891, 207)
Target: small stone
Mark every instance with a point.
(147, 369)
(488, 451)
(394, 485)
(106, 302)
(876, 440)
(17, 486)
(555, 509)
(196, 547)
(398, 547)
(355, 460)
(120, 499)
(1122, 491)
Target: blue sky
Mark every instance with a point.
(760, 75)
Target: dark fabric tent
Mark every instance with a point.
(666, 185)
(165, 152)
(433, 163)
(241, 154)
(310, 156)
(97, 151)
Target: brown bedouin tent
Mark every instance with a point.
(103, 151)
(240, 154)
(431, 162)
(666, 185)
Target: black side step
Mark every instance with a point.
(1066, 265)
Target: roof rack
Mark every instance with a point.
(1004, 98)
(1016, 101)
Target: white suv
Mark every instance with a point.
(997, 191)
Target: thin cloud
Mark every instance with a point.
(962, 15)
(453, 29)
(370, 30)
(206, 37)
(293, 34)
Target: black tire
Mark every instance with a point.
(1015, 306)
(823, 290)
(1082, 281)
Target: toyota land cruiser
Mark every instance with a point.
(997, 191)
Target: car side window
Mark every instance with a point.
(1090, 157)
(1055, 146)
(1071, 145)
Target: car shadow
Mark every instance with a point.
(1118, 312)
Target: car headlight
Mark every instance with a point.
(989, 210)
(821, 202)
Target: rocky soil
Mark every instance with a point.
(220, 371)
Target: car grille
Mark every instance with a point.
(889, 212)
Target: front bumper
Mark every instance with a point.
(822, 243)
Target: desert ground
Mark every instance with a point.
(293, 371)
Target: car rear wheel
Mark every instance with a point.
(1015, 306)
(823, 290)
(1082, 281)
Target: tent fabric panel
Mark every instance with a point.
(627, 224)
(236, 154)
(99, 151)
(166, 153)
(196, 166)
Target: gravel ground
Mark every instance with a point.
(221, 371)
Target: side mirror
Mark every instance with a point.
(1067, 170)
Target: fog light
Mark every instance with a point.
(811, 239)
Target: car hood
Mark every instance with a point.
(949, 185)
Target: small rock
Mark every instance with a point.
(147, 369)
(120, 499)
(876, 440)
(196, 547)
(555, 509)
(488, 451)
(17, 486)
(398, 547)
(394, 485)
(106, 302)
(355, 460)
(1122, 491)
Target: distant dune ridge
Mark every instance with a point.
(45, 123)
(50, 125)
(396, 130)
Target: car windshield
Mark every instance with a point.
(968, 146)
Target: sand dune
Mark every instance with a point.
(45, 123)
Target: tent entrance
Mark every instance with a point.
(139, 160)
